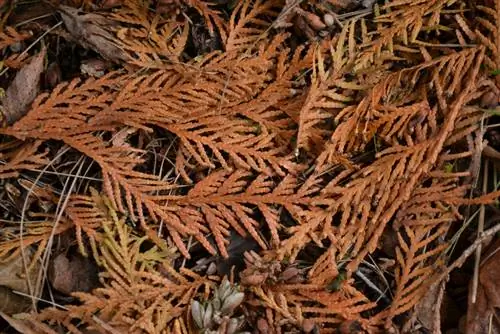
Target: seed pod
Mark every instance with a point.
(108, 4)
(254, 279)
(53, 75)
(228, 292)
(350, 326)
(224, 288)
(233, 326)
(216, 303)
(489, 100)
(314, 21)
(197, 313)
(207, 317)
(289, 273)
(232, 302)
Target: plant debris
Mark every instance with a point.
(23, 90)
(253, 166)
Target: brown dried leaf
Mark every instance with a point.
(14, 278)
(23, 90)
(427, 311)
(68, 275)
(89, 30)
(20, 325)
(482, 316)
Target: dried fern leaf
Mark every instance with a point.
(365, 205)
(249, 24)
(34, 234)
(212, 17)
(400, 24)
(10, 36)
(397, 89)
(134, 278)
(16, 156)
(489, 33)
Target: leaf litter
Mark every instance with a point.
(261, 166)
(23, 90)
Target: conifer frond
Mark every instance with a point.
(399, 27)
(249, 23)
(224, 200)
(239, 139)
(291, 304)
(365, 205)
(489, 34)
(10, 36)
(248, 145)
(325, 98)
(126, 188)
(386, 116)
(34, 234)
(416, 263)
(212, 17)
(149, 41)
(397, 90)
(141, 290)
(86, 215)
(16, 156)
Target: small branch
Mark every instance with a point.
(468, 252)
(480, 229)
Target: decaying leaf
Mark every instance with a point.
(23, 90)
(72, 274)
(89, 30)
(482, 316)
(13, 277)
(18, 324)
(312, 158)
(428, 310)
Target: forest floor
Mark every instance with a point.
(249, 166)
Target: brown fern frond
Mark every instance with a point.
(396, 89)
(16, 156)
(489, 34)
(212, 17)
(10, 36)
(249, 24)
(34, 234)
(400, 27)
(365, 205)
(416, 264)
(149, 41)
(134, 278)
